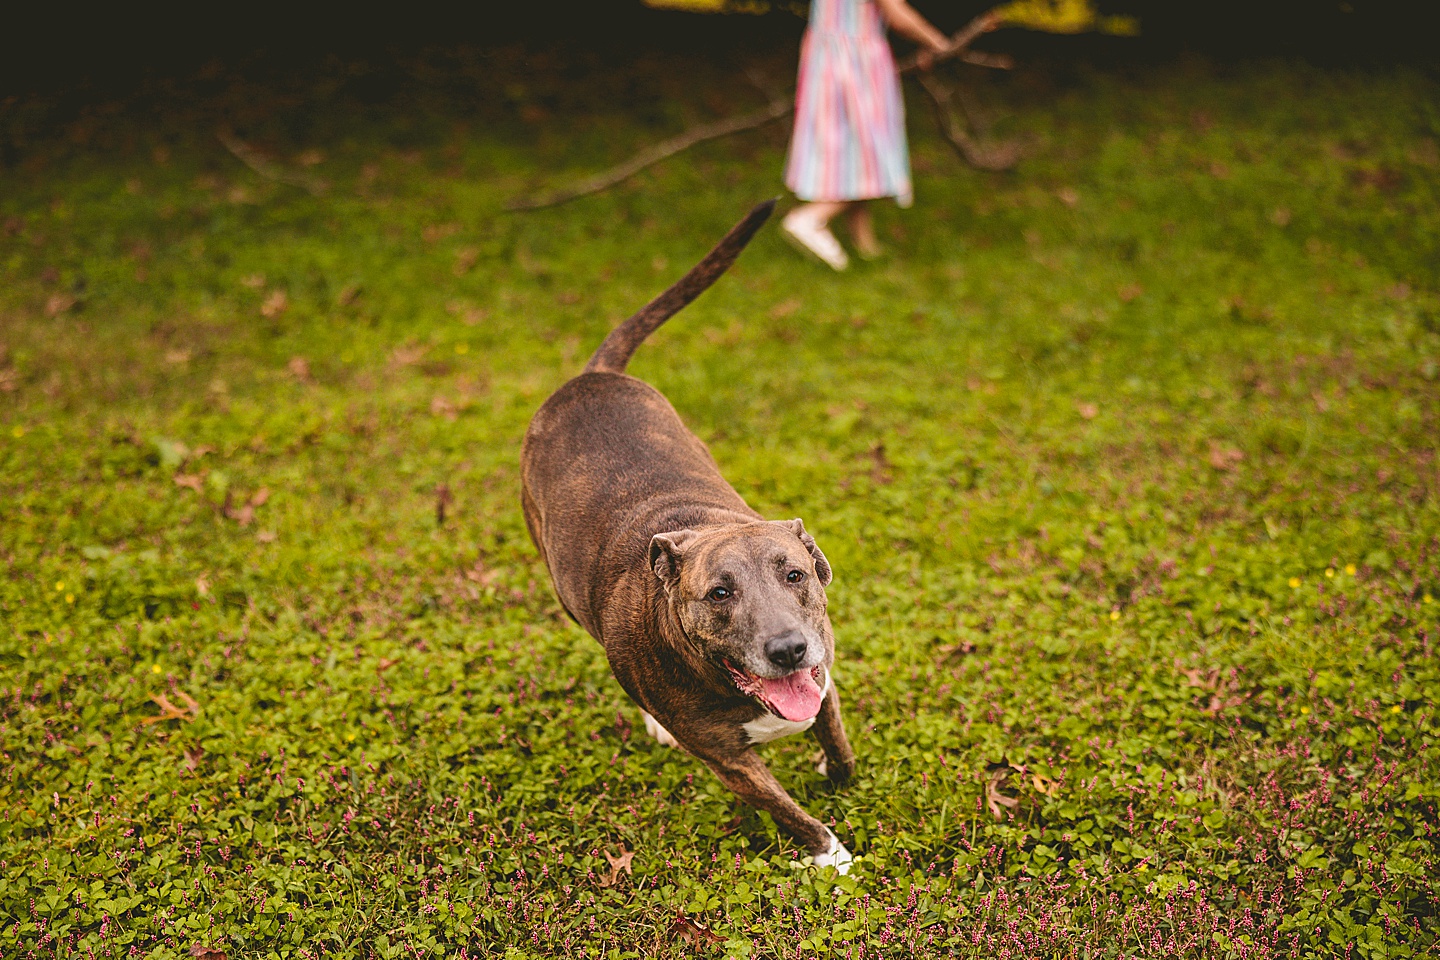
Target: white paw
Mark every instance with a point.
(652, 727)
(837, 856)
(822, 767)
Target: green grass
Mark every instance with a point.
(1125, 462)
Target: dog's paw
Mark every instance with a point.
(836, 772)
(652, 727)
(837, 856)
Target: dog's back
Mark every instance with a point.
(606, 465)
(606, 462)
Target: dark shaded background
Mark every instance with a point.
(73, 75)
(64, 46)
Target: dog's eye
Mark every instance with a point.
(794, 576)
(718, 594)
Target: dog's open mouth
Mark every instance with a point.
(795, 697)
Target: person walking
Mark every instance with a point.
(849, 145)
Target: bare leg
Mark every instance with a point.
(862, 229)
(829, 729)
(807, 226)
(819, 213)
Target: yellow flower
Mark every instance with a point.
(462, 348)
(1395, 709)
(1329, 571)
(1114, 614)
(1427, 599)
(349, 736)
(69, 598)
(1350, 569)
(155, 668)
(1304, 710)
(1294, 582)
(59, 585)
(18, 432)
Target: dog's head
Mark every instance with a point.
(752, 597)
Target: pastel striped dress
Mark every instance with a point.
(849, 139)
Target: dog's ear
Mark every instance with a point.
(666, 550)
(822, 566)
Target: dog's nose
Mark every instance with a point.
(786, 650)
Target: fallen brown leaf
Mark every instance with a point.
(1214, 682)
(168, 710)
(1130, 291)
(1204, 679)
(58, 304)
(385, 664)
(266, 536)
(299, 368)
(259, 497)
(994, 799)
(274, 305)
(441, 407)
(1223, 458)
(193, 756)
(1045, 785)
(435, 232)
(408, 354)
(310, 158)
(785, 308)
(692, 931)
(192, 480)
(956, 650)
(1068, 196)
(1088, 410)
(201, 952)
(465, 259)
(617, 865)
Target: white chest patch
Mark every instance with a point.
(767, 726)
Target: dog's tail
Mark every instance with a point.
(615, 353)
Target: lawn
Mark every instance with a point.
(1125, 462)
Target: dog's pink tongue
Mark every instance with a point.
(796, 697)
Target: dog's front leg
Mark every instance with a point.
(746, 774)
(829, 729)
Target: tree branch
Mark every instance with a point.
(654, 154)
(777, 108)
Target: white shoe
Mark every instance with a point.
(812, 238)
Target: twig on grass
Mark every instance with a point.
(267, 168)
(994, 156)
(777, 108)
(654, 154)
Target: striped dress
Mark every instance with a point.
(849, 139)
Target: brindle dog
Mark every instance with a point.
(713, 619)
